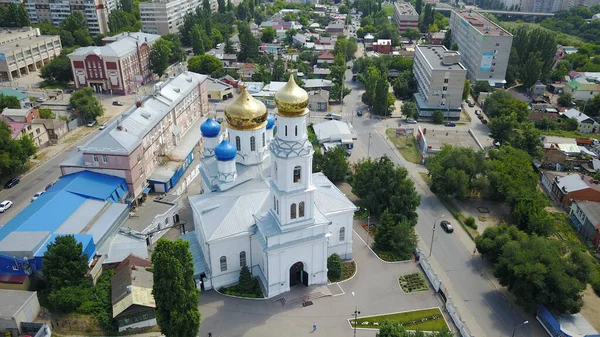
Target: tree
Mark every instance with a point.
(412, 34)
(222, 7)
(446, 42)
(335, 265)
(409, 109)
(65, 263)
(206, 6)
(159, 56)
(454, 46)
(10, 102)
(228, 49)
(502, 128)
(14, 15)
(73, 22)
(528, 138)
(58, 70)
(529, 214)
(457, 171)
(248, 47)
(501, 103)
(381, 185)
(197, 42)
(346, 47)
(419, 6)
(47, 114)
(437, 117)
(481, 86)
(511, 174)
(246, 283)
(86, 104)
(14, 153)
(593, 106)
(531, 70)
(268, 35)
(126, 5)
(174, 289)
(335, 164)
(204, 64)
(570, 124)
(384, 235)
(466, 89)
(394, 237)
(176, 53)
(82, 37)
(122, 21)
(565, 99)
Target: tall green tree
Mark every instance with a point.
(248, 47)
(268, 35)
(73, 22)
(126, 5)
(222, 7)
(159, 56)
(466, 89)
(64, 262)
(409, 109)
(122, 21)
(174, 289)
(419, 6)
(457, 171)
(501, 103)
(14, 153)
(228, 49)
(335, 164)
(511, 174)
(346, 47)
(176, 53)
(10, 102)
(204, 64)
(58, 70)
(85, 102)
(197, 41)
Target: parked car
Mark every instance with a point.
(478, 112)
(480, 116)
(117, 103)
(91, 123)
(411, 121)
(484, 121)
(11, 183)
(446, 226)
(49, 185)
(220, 120)
(68, 91)
(40, 100)
(450, 124)
(37, 195)
(470, 103)
(5, 205)
(359, 113)
(102, 126)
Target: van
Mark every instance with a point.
(336, 117)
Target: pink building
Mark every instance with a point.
(120, 66)
(152, 143)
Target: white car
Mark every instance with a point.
(5, 205)
(37, 195)
(102, 126)
(92, 123)
(40, 100)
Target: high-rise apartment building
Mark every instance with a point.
(484, 46)
(440, 80)
(165, 16)
(23, 50)
(546, 6)
(405, 16)
(95, 12)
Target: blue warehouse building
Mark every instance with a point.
(86, 204)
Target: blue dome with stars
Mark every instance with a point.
(225, 151)
(270, 121)
(210, 128)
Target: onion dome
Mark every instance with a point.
(270, 121)
(291, 100)
(210, 128)
(246, 112)
(225, 151)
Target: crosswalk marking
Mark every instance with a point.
(365, 131)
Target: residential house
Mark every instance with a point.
(585, 216)
(321, 72)
(436, 38)
(585, 124)
(270, 48)
(540, 116)
(326, 40)
(335, 28)
(582, 89)
(226, 58)
(325, 57)
(382, 46)
(538, 88)
(300, 39)
(573, 187)
(230, 80)
(246, 70)
(21, 123)
(23, 99)
(315, 84)
(219, 90)
(318, 100)
(557, 149)
(56, 128)
(119, 67)
(151, 145)
(133, 304)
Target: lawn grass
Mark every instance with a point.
(570, 134)
(426, 178)
(404, 318)
(414, 282)
(347, 271)
(406, 145)
(562, 38)
(389, 10)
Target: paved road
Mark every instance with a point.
(488, 306)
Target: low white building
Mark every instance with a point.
(262, 206)
(335, 133)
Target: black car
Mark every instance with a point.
(446, 226)
(450, 124)
(117, 103)
(359, 113)
(12, 182)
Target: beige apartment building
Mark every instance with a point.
(23, 50)
(440, 81)
(165, 16)
(55, 11)
(150, 143)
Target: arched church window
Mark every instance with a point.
(238, 143)
(264, 140)
(223, 261)
(296, 130)
(286, 130)
(297, 171)
(274, 203)
(242, 259)
(277, 208)
(252, 144)
(342, 234)
(293, 211)
(301, 209)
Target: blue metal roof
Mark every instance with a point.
(86, 240)
(55, 206)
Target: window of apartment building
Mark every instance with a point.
(445, 88)
(443, 95)
(445, 80)
(139, 157)
(104, 159)
(95, 159)
(497, 44)
(37, 131)
(141, 171)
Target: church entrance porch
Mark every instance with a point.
(298, 275)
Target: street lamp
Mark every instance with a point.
(368, 227)
(515, 328)
(356, 313)
(433, 235)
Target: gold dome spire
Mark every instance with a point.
(291, 100)
(246, 112)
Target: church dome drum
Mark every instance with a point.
(291, 100)
(270, 121)
(210, 128)
(225, 151)
(246, 112)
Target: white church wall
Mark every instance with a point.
(245, 154)
(341, 247)
(231, 249)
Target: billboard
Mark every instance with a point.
(404, 132)
(486, 61)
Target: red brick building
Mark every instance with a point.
(120, 66)
(382, 46)
(575, 187)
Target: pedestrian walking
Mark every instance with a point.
(474, 250)
(314, 326)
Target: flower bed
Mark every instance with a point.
(347, 272)
(413, 282)
(422, 320)
(234, 290)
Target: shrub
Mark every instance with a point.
(437, 117)
(334, 267)
(246, 282)
(69, 299)
(470, 222)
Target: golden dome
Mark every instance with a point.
(246, 112)
(291, 100)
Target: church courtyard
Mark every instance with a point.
(375, 287)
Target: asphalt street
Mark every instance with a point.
(490, 309)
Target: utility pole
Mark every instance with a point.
(369, 146)
(433, 235)
(356, 313)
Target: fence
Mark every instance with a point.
(74, 124)
(443, 292)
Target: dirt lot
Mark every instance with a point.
(486, 213)
(591, 307)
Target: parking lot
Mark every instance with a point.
(436, 137)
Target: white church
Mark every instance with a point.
(262, 206)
